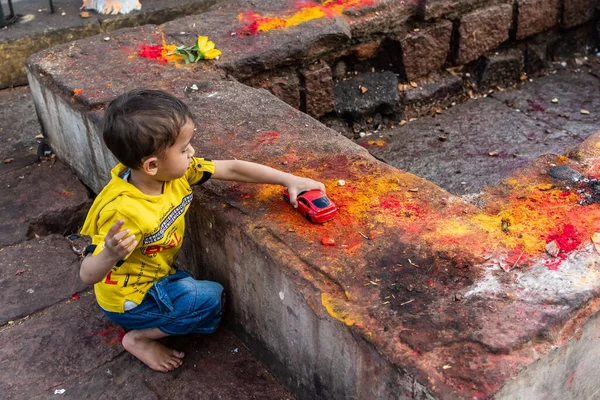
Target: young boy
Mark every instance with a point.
(137, 224)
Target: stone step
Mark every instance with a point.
(71, 351)
(423, 295)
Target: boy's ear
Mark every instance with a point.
(150, 165)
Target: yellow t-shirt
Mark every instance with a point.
(157, 222)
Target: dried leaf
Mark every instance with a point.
(8, 160)
(493, 153)
(363, 89)
(84, 14)
(413, 84)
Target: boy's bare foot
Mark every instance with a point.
(145, 346)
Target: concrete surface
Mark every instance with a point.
(423, 295)
(56, 343)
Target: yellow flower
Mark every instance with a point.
(206, 48)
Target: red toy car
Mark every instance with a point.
(314, 205)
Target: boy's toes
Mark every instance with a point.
(178, 354)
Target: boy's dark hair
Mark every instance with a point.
(143, 122)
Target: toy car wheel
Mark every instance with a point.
(307, 215)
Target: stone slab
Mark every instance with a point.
(19, 128)
(39, 199)
(74, 349)
(38, 29)
(453, 149)
(37, 274)
(575, 91)
(412, 301)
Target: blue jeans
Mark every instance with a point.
(177, 305)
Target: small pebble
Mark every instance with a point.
(555, 100)
(106, 39)
(327, 241)
(341, 182)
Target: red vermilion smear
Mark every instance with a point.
(567, 241)
(266, 138)
(152, 53)
(111, 334)
(400, 209)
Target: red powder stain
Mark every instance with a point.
(399, 209)
(256, 23)
(77, 92)
(567, 241)
(111, 334)
(266, 138)
(536, 106)
(75, 296)
(152, 53)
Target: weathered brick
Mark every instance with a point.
(318, 87)
(283, 84)
(536, 16)
(483, 30)
(577, 12)
(426, 50)
(500, 70)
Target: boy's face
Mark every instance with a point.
(174, 162)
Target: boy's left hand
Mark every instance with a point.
(298, 185)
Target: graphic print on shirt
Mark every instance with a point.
(168, 221)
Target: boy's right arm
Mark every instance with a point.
(117, 245)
